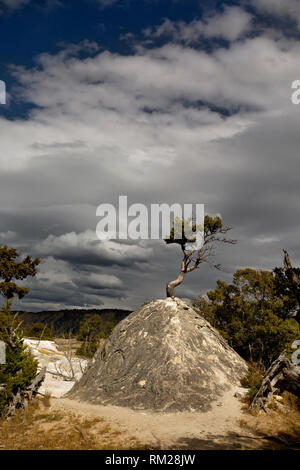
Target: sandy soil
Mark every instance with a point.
(216, 429)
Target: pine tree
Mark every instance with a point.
(256, 322)
(20, 367)
(92, 329)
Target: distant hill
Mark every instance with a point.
(65, 321)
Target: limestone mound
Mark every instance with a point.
(163, 357)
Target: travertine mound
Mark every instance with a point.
(163, 357)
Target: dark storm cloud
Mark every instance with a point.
(109, 125)
(84, 248)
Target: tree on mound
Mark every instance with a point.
(19, 367)
(214, 231)
(163, 357)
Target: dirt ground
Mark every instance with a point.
(219, 428)
(67, 424)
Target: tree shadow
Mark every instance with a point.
(234, 441)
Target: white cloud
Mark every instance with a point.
(85, 248)
(148, 100)
(231, 24)
(96, 281)
(8, 236)
(265, 240)
(286, 8)
(150, 125)
(61, 285)
(58, 272)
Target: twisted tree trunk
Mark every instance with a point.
(21, 398)
(282, 375)
(184, 268)
(171, 285)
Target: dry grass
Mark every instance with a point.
(252, 380)
(45, 429)
(45, 400)
(281, 423)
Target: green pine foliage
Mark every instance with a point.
(92, 329)
(20, 367)
(12, 269)
(37, 330)
(287, 290)
(252, 380)
(256, 322)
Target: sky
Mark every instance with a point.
(165, 101)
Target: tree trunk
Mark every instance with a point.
(171, 285)
(21, 397)
(294, 279)
(289, 269)
(281, 375)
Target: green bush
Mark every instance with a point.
(92, 330)
(252, 380)
(20, 367)
(18, 372)
(37, 330)
(251, 316)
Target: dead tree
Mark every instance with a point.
(282, 375)
(290, 271)
(10, 330)
(68, 373)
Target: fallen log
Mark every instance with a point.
(282, 375)
(21, 398)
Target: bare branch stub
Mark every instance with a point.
(291, 272)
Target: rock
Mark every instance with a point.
(241, 393)
(278, 398)
(163, 357)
